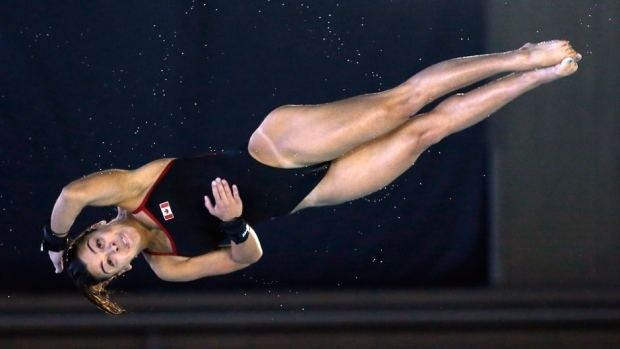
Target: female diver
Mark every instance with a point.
(300, 156)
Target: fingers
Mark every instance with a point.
(60, 268)
(227, 204)
(235, 193)
(229, 195)
(221, 191)
(209, 205)
(56, 258)
(98, 224)
(215, 190)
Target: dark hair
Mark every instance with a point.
(92, 288)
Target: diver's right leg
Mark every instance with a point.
(297, 135)
(375, 164)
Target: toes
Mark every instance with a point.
(567, 67)
(574, 54)
(559, 42)
(568, 60)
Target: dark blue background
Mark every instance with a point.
(86, 86)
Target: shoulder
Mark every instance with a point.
(147, 174)
(140, 180)
(115, 186)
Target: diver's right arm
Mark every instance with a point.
(105, 188)
(110, 187)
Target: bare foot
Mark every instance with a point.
(548, 53)
(565, 68)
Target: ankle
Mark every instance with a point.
(538, 76)
(521, 60)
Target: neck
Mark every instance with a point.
(153, 239)
(147, 236)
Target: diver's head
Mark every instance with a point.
(102, 253)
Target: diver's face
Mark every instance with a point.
(110, 249)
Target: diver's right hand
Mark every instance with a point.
(55, 246)
(56, 258)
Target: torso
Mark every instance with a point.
(145, 178)
(147, 175)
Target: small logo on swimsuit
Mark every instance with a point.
(166, 210)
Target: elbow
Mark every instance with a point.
(68, 191)
(258, 256)
(71, 193)
(250, 259)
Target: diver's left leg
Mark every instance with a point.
(375, 164)
(298, 135)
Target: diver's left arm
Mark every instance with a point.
(245, 247)
(180, 268)
(244, 250)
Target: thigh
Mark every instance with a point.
(298, 135)
(374, 165)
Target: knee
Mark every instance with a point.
(266, 136)
(276, 114)
(417, 93)
(256, 143)
(401, 101)
(428, 131)
(431, 137)
(450, 105)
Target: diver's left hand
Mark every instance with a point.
(228, 204)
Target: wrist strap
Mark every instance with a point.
(53, 242)
(237, 230)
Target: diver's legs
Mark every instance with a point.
(297, 135)
(375, 164)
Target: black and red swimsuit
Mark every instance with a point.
(176, 200)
